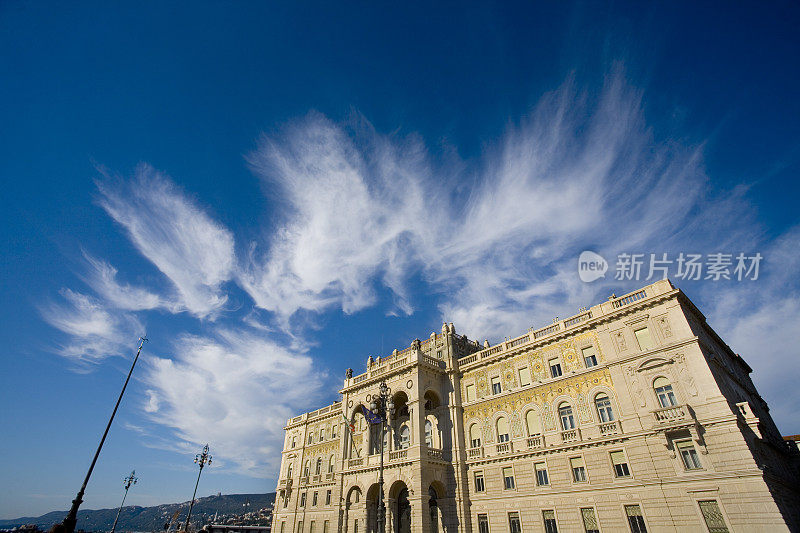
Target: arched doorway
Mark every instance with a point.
(403, 512)
(433, 507)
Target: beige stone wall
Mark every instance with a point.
(744, 466)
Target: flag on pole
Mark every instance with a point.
(371, 417)
(349, 424)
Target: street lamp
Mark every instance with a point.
(201, 459)
(383, 406)
(68, 525)
(128, 481)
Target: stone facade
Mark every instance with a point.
(632, 415)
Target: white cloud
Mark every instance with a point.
(234, 390)
(102, 277)
(195, 252)
(94, 332)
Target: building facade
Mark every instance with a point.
(632, 415)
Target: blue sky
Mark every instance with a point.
(275, 192)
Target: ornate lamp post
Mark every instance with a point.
(68, 525)
(201, 459)
(383, 406)
(130, 480)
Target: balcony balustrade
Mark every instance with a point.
(571, 435)
(433, 453)
(504, 447)
(352, 463)
(536, 441)
(398, 455)
(475, 453)
(670, 415)
(609, 428)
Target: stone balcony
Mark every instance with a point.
(475, 453)
(536, 441)
(673, 415)
(504, 447)
(607, 429)
(571, 435)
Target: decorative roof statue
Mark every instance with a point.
(348, 373)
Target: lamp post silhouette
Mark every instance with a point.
(383, 406)
(130, 480)
(68, 525)
(201, 459)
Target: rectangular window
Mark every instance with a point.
(643, 338)
(715, 522)
(322, 434)
(514, 525)
(542, 479)
(314, 499)
(555, 368)
(333, 431)
(524, 376)
(496, 387)
(483, 523)
(508, 478)
(328, 497)
(283, 527)
(691, 461)
(549, 517)
(303, 500)
(470, 392)
(311, 527)
(578, 469)
(300, 527)
(480, 485)
(620, 464)
(635, 519)
(589, 356)
(589, 520)
(326, 526)
(310, 438)
(355, 525)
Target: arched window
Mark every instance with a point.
(294, 441)
(428, 434)
(474, 436)
(534, 425)
(603, 405)
(330, 463)
(666, 397)
(502, 429)
(318, 470)
(565, 414)
(289, 472)
(333, 431)
(405, 437)
(307, 469)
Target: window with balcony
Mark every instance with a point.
(603, 405)
(567, 419)
(635, 518)
(689, 456)
(589, 520)
(664, 392)
(496, 387)
(644, 339)
(534, 423)
(428, 434)
(578, 468)
(549, 517)
(502, 430)
(474, 436)
(405, 438)
(514, 525)
(555, 368)
(483, 523)
(620, 463)
(589, 356)
(480, 484)
(508, 478)
(524, 376)
(712, 516)
(542, 479)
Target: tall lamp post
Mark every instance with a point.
(68, 525)
(130, 480)
(201, 459)
(383, 406)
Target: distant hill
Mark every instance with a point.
(135, 518)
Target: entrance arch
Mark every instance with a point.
(400, 508)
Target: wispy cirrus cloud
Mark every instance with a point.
(168, 228)
(102, 277)
(93, 331)
(235, 388)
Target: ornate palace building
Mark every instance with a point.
(632, 415)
